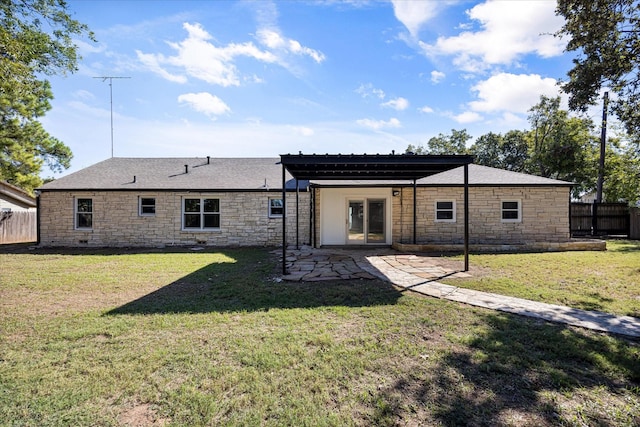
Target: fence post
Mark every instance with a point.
(634, 223)
(594, 219)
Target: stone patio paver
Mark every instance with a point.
(421, 274)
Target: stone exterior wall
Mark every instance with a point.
(244, 220)
(544, 215)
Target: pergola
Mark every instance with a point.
(371, 167)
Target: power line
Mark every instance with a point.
(110, 78)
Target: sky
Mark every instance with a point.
(263, 78)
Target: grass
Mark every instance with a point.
(210, 338)
(600, 280)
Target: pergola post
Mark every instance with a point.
(367, 167)
(297, 215)
(415, 212)
(466, 217)
(284, 221)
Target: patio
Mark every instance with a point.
(310, 265)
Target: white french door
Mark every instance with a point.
(366, 223)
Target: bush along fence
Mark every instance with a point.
(18, 227)
(604, 219)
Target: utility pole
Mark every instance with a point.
(603, 141)
(110, 78)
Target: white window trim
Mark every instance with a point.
(202, 228)
(519, 202)
(75, 213)
(140, 213)
(272, 215)
(453, 208)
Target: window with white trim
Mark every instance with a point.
(147, 206)
(275, 207)
(84, 214)
(511, 211)
(445, 211)
(200, 214)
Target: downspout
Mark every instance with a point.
(570, 216)
(38, 218)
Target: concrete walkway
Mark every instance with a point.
(421, 274)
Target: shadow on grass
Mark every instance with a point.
(625, 246)
(250, 284)
(500, 376)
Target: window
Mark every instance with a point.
(201, 214)
(511, 211)
(275, 208)
(147, 206)
(445, 211)
(84, 213)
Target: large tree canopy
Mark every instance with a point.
(561, 147)
(35, 41)
(605, 34)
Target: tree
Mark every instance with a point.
(509, 152)
(515, 150)
(488, 150)
(35, 40)
(622, 172)
(456, 143)
(606, 36)
(562, 147)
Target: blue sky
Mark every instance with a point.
(262, 78)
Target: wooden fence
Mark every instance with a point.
(600, 219)
(18, 227)
(634, 224)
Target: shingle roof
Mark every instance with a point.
(478, 176)
(247, 174)
(171, 174)
(484, 175)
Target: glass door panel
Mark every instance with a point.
(375, 221)
(355, 221)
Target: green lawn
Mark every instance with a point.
(182, 337)
(599, 280)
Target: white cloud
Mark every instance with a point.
(85, 48)
(204, 102)
(509, 29)
(367, 90)
(398, 104)
(512, 121)
(467, 117)
(426, 109)
(379, 124)
(275, 41)
(303, 130)
(437, 76)
(200, 58)
(414, 14)
(83, 94)
(152, 62)
(515, 93)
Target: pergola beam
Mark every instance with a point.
(371, 167)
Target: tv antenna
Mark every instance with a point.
(110, 78)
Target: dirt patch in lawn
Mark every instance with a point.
(141, 415)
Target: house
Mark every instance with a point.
(240, 202)
(13, 199)
(18, 215)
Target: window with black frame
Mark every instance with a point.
(201, 214)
